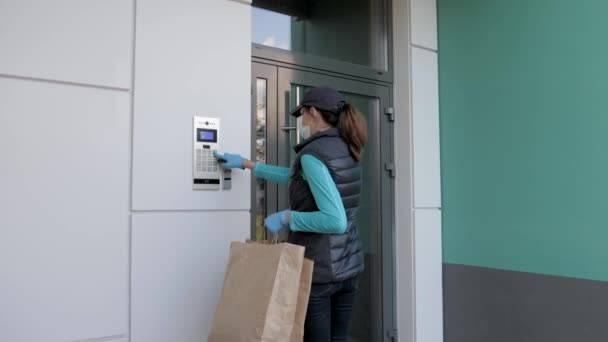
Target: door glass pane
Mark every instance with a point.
(260, 155)
(367, 310)
(366, 324)
(353, 31)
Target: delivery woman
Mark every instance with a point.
(324, 189)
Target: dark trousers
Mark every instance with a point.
(329, 310)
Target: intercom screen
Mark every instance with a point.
(207, 135)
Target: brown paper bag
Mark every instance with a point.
(297, 334)
(260, 294)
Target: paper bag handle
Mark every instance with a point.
(274, 241)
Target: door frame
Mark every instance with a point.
(278, 103)
(346, 69)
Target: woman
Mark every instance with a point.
(324, 188)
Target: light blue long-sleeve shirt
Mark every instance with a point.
(331, 217)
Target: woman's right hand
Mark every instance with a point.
(229, 160)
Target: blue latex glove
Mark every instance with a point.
(276, 221)
(229, 161)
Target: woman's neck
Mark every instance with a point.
(319, 128)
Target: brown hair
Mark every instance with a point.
(352, 127)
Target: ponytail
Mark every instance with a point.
(352, 127)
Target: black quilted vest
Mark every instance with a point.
(337, 256)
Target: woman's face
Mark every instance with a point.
(303, 115)
(307, 116)
(312, 119)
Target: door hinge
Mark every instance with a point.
(390, 112)
(392, 335)
(390, 167)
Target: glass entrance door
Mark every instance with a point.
(373, 313)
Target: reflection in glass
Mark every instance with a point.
(260, 156)
(271, 28)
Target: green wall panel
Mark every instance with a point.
(524, 135)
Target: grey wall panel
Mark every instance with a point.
(178, 266)
(482, 305)
(191, 59)
(425, 129)
(427, 262)
(64, 211)
(424, 23)
(68, 40)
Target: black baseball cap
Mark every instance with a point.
(322, 98)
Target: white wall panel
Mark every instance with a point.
(178, 266)
(193, 58)
(404, 230)
(64, 211)
(68, 40)
(428, 265)
(424, 23)
(419, 244)
(425, 122)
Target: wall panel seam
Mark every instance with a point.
(131, 161)
(186, 211)
(61, 82)
(246, 2)
(424, 48)
(102, 339)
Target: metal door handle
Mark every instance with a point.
(293, 128)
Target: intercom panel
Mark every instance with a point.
(206, 171)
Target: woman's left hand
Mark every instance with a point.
(277, 221)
